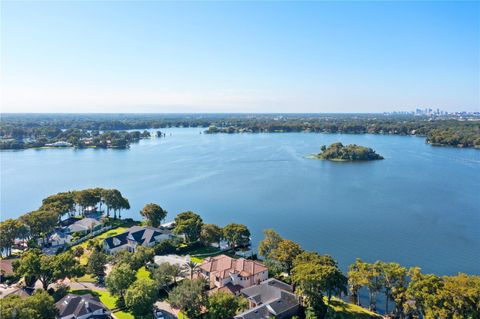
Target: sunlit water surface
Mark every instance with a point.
(419, 206)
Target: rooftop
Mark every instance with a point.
(80, 305)
(223, 266)
(272, 298)
(139, 234)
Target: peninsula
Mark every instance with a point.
(349, 153)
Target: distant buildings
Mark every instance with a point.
(136, 236)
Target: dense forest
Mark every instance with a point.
(352, 152)
(34, 130)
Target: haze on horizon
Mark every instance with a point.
(280, 57)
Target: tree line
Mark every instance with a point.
(439, 131)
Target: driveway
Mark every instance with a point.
(168, 311)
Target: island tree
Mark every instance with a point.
(353, 152)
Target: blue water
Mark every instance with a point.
(419, 206)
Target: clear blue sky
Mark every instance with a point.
(239, 56)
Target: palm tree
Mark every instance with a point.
(192, 268)
(177, 271)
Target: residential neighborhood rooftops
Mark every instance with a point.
(224, 265)
(79, 306)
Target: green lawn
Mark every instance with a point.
(143, 273)
(86, 278)
(102, 236)
(197, 260)
(344, 310)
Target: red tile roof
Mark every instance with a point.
(6, 266)
(223, 266)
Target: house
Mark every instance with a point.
(271, 298)
(81, 307)
(6, 268)
(137, 235)
(59, 238)
(23, 292)
(222, 271)
(85, 225)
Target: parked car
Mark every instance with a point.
(158, 314)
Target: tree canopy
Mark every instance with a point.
(120, 278)
(236, 235)
(190, 224)
(189, 296)
(154, 214)
(352, 152)
(141, 296)
(225, 305)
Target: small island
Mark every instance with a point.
(349, 153)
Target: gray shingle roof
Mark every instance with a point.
(272, 298)
(84, 224)
(79, 305)
(140, 234)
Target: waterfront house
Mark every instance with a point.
(136, 236)
(81, 307)
(84, 226)
(59, 238)
(271, 298)
(234, 274)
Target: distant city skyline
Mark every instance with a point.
(239, 57)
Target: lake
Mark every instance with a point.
(419, 206)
